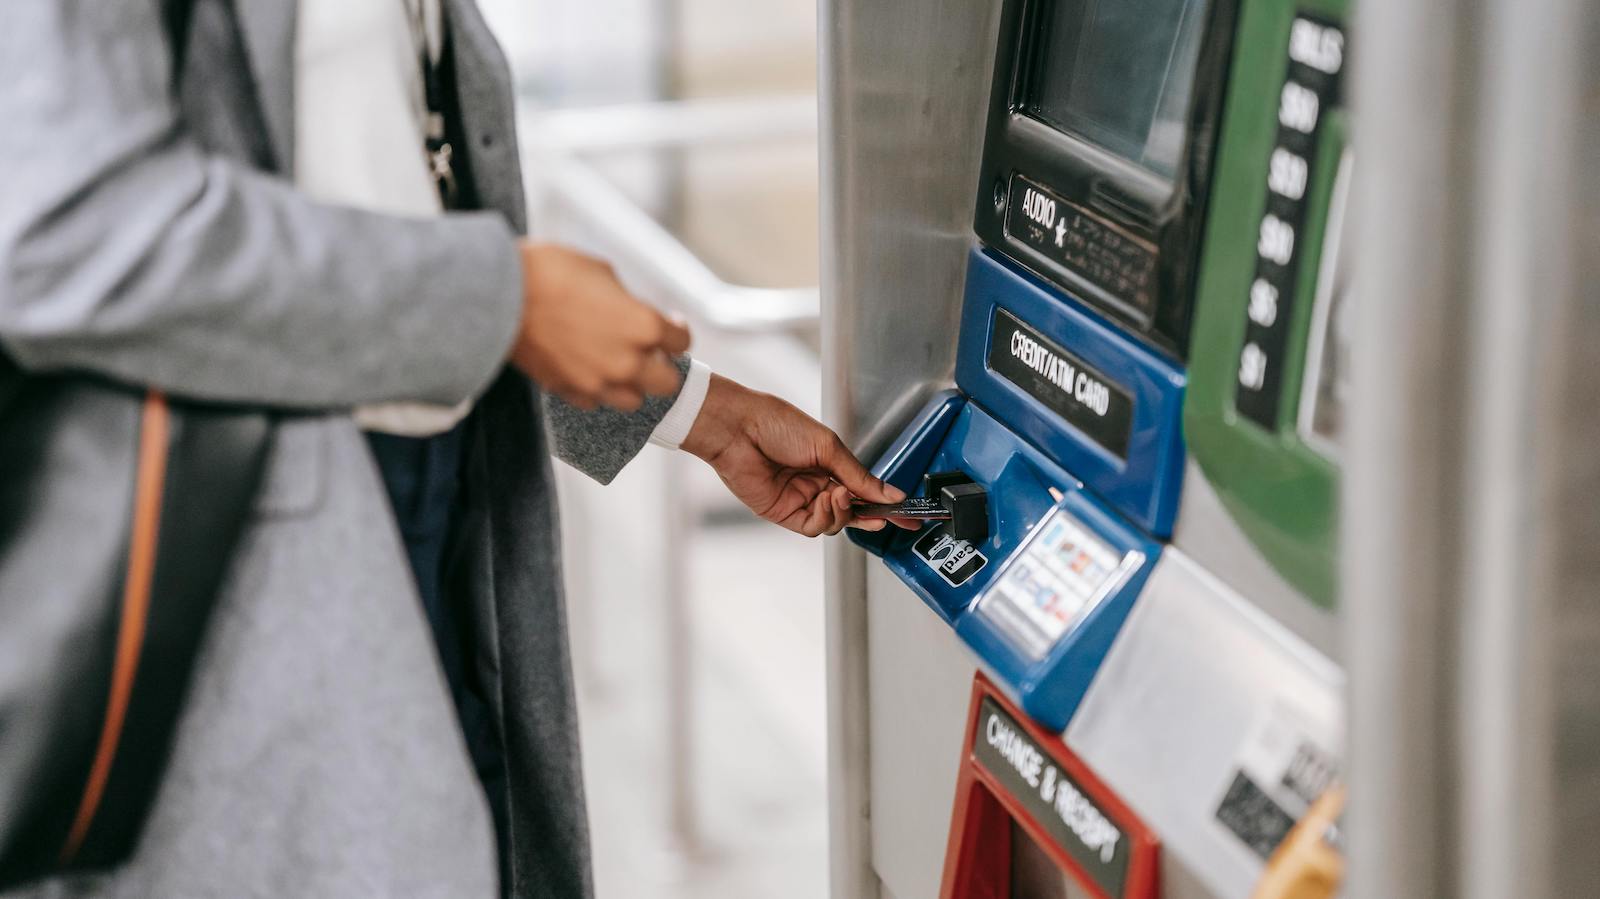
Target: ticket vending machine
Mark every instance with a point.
(1065, 422)
(1099, 324)
(1234, 648)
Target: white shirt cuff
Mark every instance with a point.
(674, 426)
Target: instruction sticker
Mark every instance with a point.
(1108, 256)
(955, 560)
(1062, 574)
(1281, 770)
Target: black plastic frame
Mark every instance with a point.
(1119, 193)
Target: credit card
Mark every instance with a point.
(922, 508)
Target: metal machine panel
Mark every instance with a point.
(902, 86)
(920, 680)
(1209, 536)
(1213, 722)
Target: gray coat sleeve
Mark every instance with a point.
(601, 441)
(128, 250)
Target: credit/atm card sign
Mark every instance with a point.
(1076, 239)
(1069, 387)
(1052, 797)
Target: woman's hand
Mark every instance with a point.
(786, 466)
(585, 338)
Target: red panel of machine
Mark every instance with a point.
(1020, 780)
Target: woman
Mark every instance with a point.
(314, 208)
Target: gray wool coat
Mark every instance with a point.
(150, 236)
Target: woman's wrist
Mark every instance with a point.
(721, 418)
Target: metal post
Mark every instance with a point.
(1399, 512)
(850, 874)
(1473, 355)
(902, 86)
(1526, 168)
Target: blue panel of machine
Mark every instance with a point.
(907, 459)
(951, 576)
(1050, 687)
(1017, 477)
(1096, 400)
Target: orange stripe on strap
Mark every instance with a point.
(149, 481)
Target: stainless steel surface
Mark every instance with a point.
(850, 871)
(903, 96)
(903, 85)
(1472, 672)
(1522, 635)
(1196, 682)
(1571, 559)
(1178, 880)
(920, 680)
(1401, 474)
(1207, 533)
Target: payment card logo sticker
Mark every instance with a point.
(1281, 771)
(955, 560)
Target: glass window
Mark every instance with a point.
(1119, 74)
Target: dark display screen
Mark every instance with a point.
(1117, 73)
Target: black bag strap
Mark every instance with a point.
(104, 711)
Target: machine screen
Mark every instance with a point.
(1118, 73)
(1053, 582)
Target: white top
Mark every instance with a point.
(359, 118)
(675, 425)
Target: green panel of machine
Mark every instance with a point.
(1279, 486)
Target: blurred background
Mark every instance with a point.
(678, 139)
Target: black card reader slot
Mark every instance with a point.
(966, 501)
(950, 496)
(969, 511)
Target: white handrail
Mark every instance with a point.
(637, 242)
(554, 140)
(668, 123)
